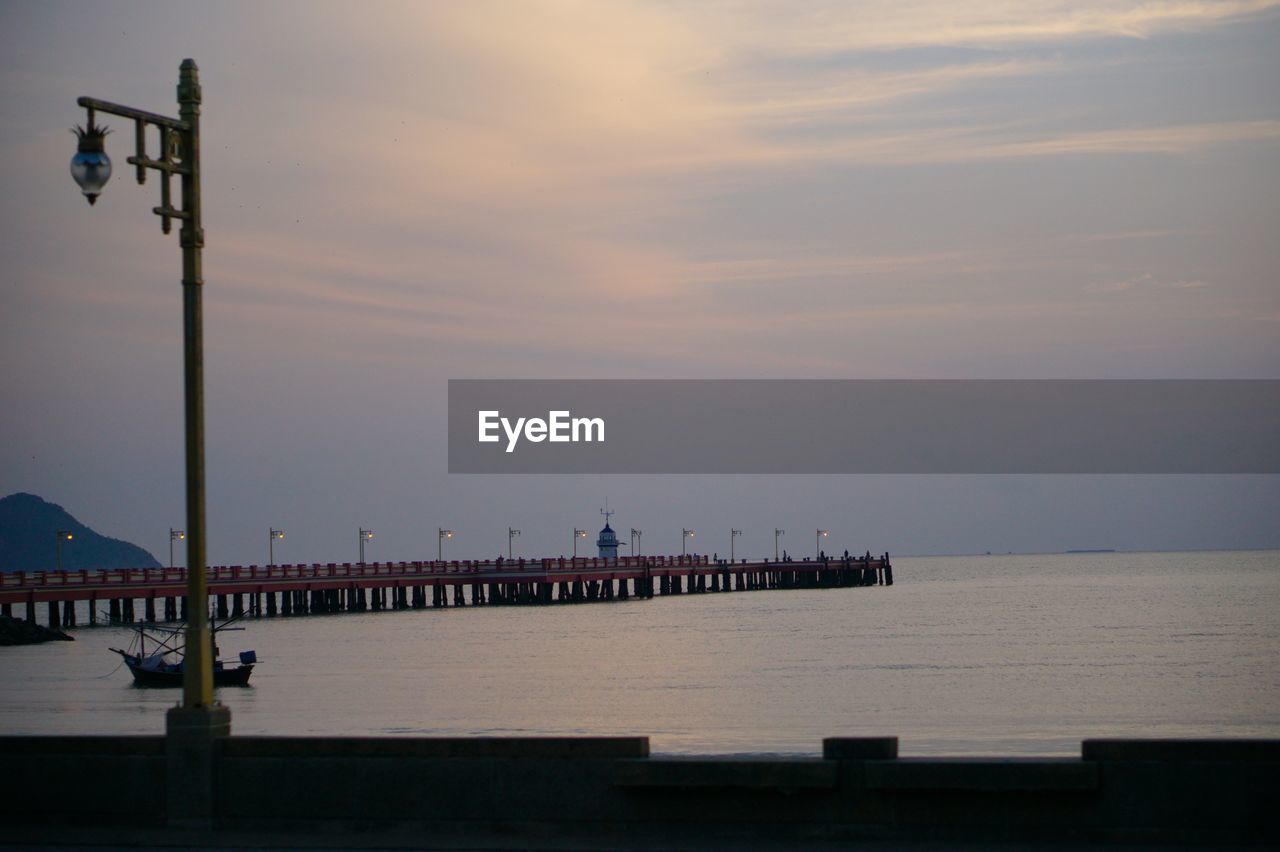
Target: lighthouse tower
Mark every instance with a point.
(608, 540)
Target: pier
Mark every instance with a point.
(158, 594)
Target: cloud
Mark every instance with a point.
(1178, 139)
(1120, 286)
(832, 27)
(1146, 279)
(602, 170)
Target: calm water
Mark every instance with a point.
(965, 655)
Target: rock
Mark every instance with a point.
(17, 631)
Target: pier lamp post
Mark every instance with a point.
(440, 537)
(59, 537)
(635, 542)
(684, 537)
(817, 542)
(178, 153)
(365, 535)
(174, 535)
(733, 535)
(511, 533)
(776, 534)
(273, 535)
(577, 534)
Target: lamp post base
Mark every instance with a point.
(192, 742)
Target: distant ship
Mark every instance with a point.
(1094, 550)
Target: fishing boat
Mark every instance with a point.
(161, 664)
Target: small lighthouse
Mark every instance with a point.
(608, 540)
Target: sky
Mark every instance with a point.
(400, 194)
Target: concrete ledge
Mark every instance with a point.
(438, 747)
(1234, 751)
(860, 748)
(1033, 774)
(1206, 792)
(762, 773)
(81, 745)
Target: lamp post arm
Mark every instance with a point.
(178, 137)
(136, 114)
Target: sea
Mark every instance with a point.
(1001, 655)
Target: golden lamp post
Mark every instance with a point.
(177, 153)
(175, 535)
(59, 537)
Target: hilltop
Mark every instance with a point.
(28, 525)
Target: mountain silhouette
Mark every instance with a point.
(28, 530)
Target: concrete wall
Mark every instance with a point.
(1209, 792)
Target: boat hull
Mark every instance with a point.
(239, 676)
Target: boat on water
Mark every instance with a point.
(161, 664)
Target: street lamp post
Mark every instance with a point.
(441, 535)
(365, 535)
(684, 537)
(776, 534)
(817, 542)
(59, 537)
(179, 153)
(733, 535)
(174, 535)
(635, 542)
(577, 534)
(272, 535)
(511, 533)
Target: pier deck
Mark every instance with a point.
(346, 587)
